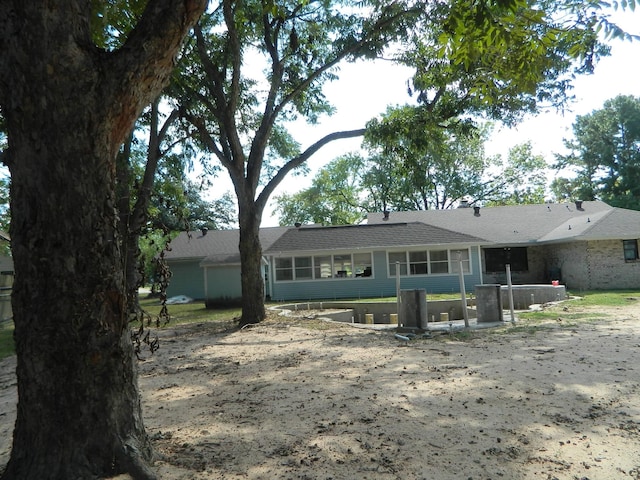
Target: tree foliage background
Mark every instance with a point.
(604, 155)
(438, 175)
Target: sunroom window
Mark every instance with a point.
(418, 263)
(284, 268)
(304, 268)
(344, 265)
(322, 266)
(362, 265)
(429, 262)
(397, 257)
(456, 257)
(438, 261)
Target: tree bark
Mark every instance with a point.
(68, 107)
(249, 216)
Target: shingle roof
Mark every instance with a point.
(510, 225)
(526, 224)
(216, 246)
(618, 223)
(351, 237)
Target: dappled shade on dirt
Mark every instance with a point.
(303, 399)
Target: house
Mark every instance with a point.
(205, 265)
(361, 261)
(585, 245)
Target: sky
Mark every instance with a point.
(365, 90)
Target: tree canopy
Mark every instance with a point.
(334, 197)
(604, 155)
(404, 176)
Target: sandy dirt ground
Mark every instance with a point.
(303, 399)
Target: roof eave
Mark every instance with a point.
(370, 248)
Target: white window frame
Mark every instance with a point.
(340, 266)
(404, 256)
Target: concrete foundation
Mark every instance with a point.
(526, 295)
(383, 312)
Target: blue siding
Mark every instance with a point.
(224, 282)
(379, 285)
(186, 279)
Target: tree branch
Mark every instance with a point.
(139, 213)
(207, 139)
(300, 159)
(147, 54)
(259, 143)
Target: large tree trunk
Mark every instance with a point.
(79, 411)
(253, 310)
(68, 107)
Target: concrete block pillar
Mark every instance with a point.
(413, 309)
(488, 303)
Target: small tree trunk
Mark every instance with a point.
(253, 310)
(128, 235)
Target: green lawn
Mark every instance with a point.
(612, 298)
(190, 312)
(569, 314)
(180, 314)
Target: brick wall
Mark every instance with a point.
(573, 261)
(608, 269)
(596, 265)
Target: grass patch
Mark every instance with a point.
(190, 312)
(610, 298)
(7, 345)
(180, 314)
(556, 317)
(555, 314)
(583, 308)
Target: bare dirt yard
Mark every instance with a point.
(295, 398)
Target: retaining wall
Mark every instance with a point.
(526, 295)
(381, 311)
